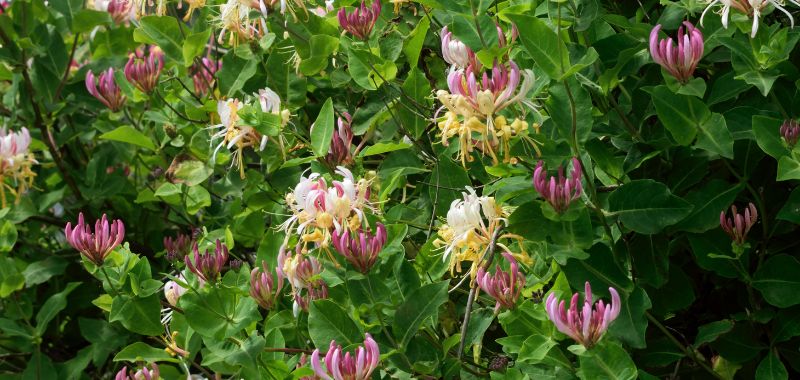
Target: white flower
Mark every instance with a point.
(754, 7)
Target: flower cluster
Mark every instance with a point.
(303, 274)
(264, 288)
(360, 248)
(121, 11)
(738, 225)
(751, 8)
(178, 247)
(15, 163)
(790, 130)
(340, 365)
(234, 19)
(208, 267)
(108, 92)
(587, 325)
(361, 21)
(471, 226)
(95, 245)
(143, 71)
(318, 209)
(504, 287)
(561, 191)
(233, 134)
(681, 60)
(149, 372)
(339, 153)
(203, 73)
(475, 97)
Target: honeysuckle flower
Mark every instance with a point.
(95, 245)
(339, 153)
(751, 8)
(456, 53)
(178, 247)
(561, 191)
(265, 288)
(303, 274)
(790, 130)
(679, 59)
(173, 291)
(504, 287)
(203, 74)
(361, 21)
(108, 92)
(587, 325)
(235, 20)
(271, 102)
(208, 267)
(471, 224)
(15, 163)
(121, 11)
(360, 248)
(149, 372)
(171, 345)
(472, 108)
(303, 298)
(235, 135)
(318, 209)
(340, 365)
(143, 71)
(738, 225)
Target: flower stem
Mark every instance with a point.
(111, 284)
(686, 351)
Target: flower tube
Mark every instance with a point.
(95, 246)
(149, 372)
(456, 53)
(587, 325)
(360, 248)
(143, 71)
(264, 288)
(107, 92)
(208, 267)
(679, 60)
(790, 130)
(739, 225)
(361, 21)
(346, 366)
(561, 191)
(504, 287)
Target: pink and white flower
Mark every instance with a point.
(340, 365)
(588, 324)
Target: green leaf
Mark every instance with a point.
(130, 135)
(381, 148)
(193, 172)
(788, 168)
(194, 46)
(543, 45)
(447, 181)
(218, 312)
(197, 198)
(143, 352)
(418, 89)
(768, 136)
(607, 360)
(559, 107)
(368, 70)
(412, 45)
(235, 73)
(535, 348)
(328, 322)
(715, 137)
(587, 59)
(710, 332)
(682, 115)
(778, 282)
(420, 305)
(8, 235)
(707, 202)
(646, 206)
(40, 271)
(52, 307)
(791, 209)
(651, 256)
(11, 279)
(87, 19)
(140, 315)
(771, 368)
(322, 46)
(322, 130)
(165, 32)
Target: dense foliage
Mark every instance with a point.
(408, 189)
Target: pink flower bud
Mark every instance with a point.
(173, 291)
(680, 60)
(203, 74)
(264, 288)
(561, 191)
(341, 142)
(95, 246)
(177, 248)
(346, 366)
(362, 248)
(361, 21)
(586, 325)
(143, 71)
(738, 225)
(120, 10)
(504, 287)
(208, 267)
(790, 130)
(149, 372)
(456, 53)
(107, 90)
